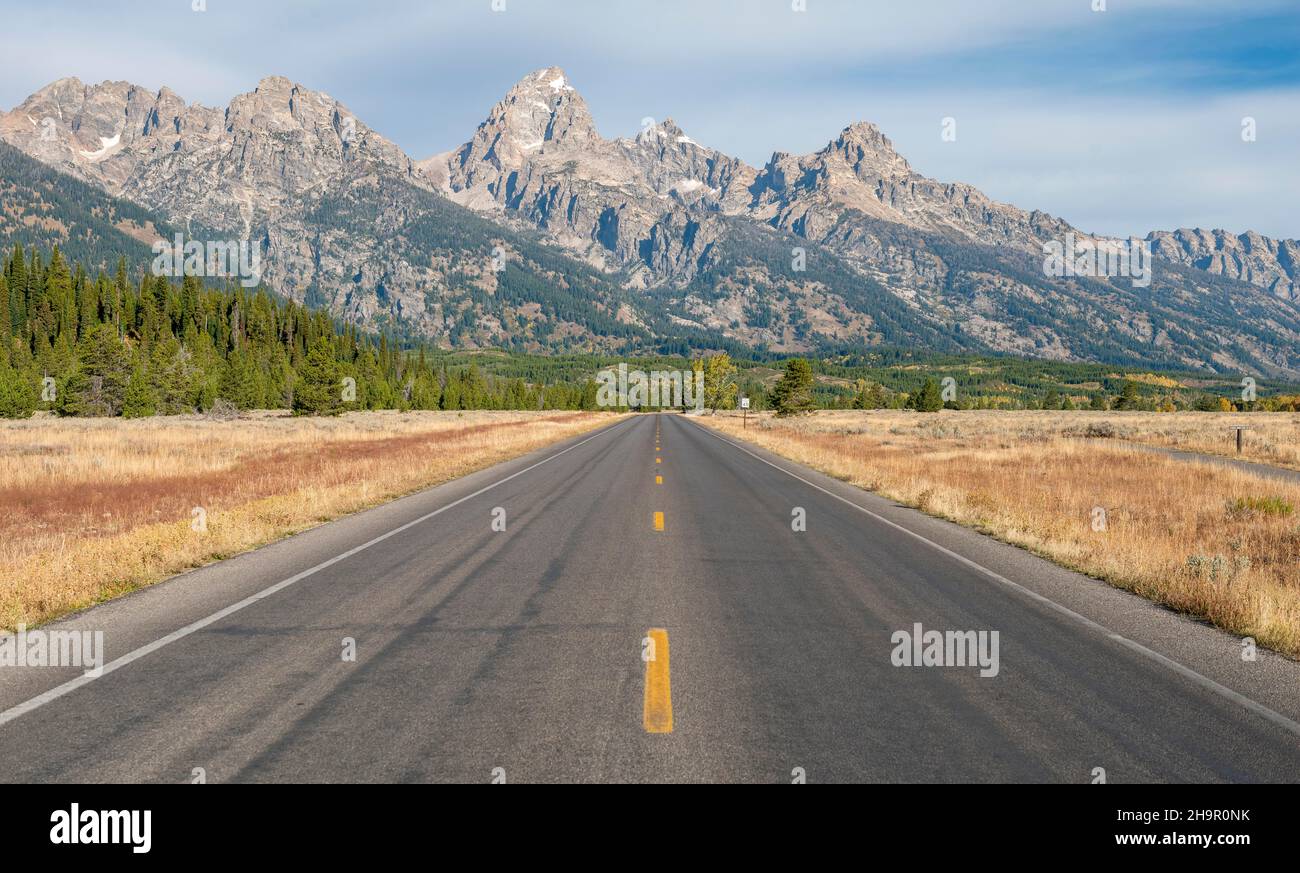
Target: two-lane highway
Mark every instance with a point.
(532, 652)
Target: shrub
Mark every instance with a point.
(1261, 505)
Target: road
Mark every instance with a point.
(521, 654)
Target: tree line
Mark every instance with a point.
(104, 345)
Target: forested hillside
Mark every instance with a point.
(39, 206)
(81, 344)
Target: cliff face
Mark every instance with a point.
(540, 233)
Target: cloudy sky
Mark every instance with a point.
(1120, 121)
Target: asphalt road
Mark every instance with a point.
(524, 649)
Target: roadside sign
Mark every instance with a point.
(744, 403)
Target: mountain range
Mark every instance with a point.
(539, 234)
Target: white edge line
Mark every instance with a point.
(116, 664)
(1206, 682)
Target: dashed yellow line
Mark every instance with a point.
(659, 480)
(657, 709)
(659, 521)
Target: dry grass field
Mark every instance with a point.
(1216, 543)
(1272, 438)
(93, 508)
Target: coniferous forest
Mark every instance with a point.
(105, 345)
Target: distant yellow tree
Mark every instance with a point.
(719, 382)
(1225, 405)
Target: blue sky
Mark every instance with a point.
(1120, 121)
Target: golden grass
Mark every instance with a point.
(1270, 438)
(95, 508)
(1214, 542)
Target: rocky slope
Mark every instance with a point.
(42, 207)
(841, 234)
(1271, 264)
(341, 216)
(540, 233)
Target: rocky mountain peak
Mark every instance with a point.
(83, 129)
(66, 85)
(542, 112)
(666, 132)
(868, 151)
(543, 109)
(270, 84)
(280, 102)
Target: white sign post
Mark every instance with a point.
(744, 404)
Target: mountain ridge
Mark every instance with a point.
(847, 244)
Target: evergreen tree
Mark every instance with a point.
(1128, 396)
(97, 385)
(929, 398)
(140, 400)
(793, 394)
(6, 317)
(320, 389)
(241, 383)
(176, 378)
(17, 394)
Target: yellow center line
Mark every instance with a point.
(659, 521)
(659, 460)
(659, 480)
(657, 710)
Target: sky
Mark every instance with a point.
(1121, 121)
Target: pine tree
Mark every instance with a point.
(140, 400)
(175, 377)
(16, 274)
(1128, 396)
(241, 384)
(319, 389)
(6, 319)
(97, 384)
(17, 394)
(929, 398)
(451, 398)
(793, 394)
